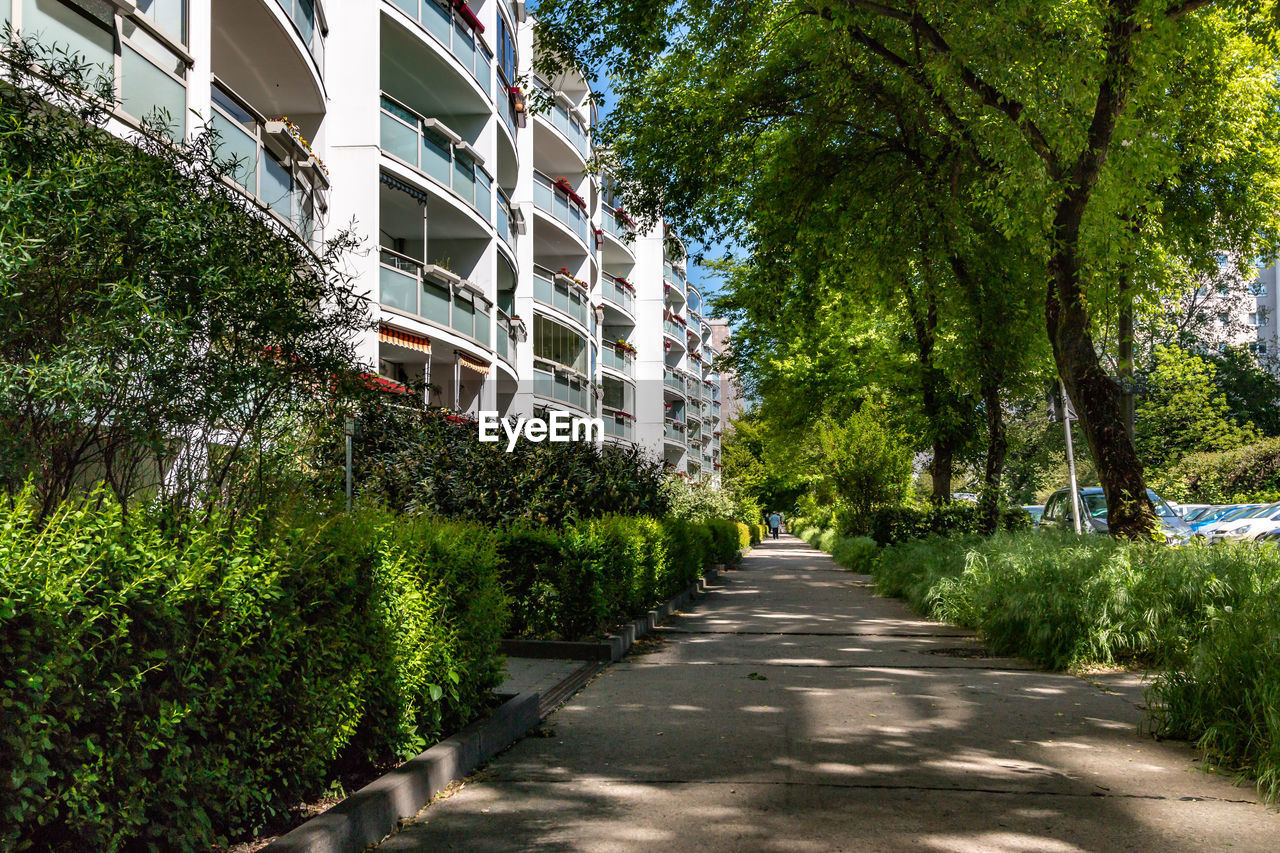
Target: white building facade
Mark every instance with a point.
(503, 273)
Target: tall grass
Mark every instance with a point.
(1208, 618)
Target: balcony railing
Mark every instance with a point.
(505, 222)
(403, 286)
(559, 294)
(674, 329)
(547, 196)
(506, 339)
(616, 224)
(617, 359)
(617, 294)
(618, 427)
(282, 176)
(566, 122)
(558, 384)
(451, 30)
(420, 142)
(304, 17)
(671, 379)
(675, 431)
(673, 276)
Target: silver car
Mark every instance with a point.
(1059, 513)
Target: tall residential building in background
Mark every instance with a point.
(504, 273)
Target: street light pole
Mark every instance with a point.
(349, 427)
(1071, 458)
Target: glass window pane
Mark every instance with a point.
(483, 192)
(277, 187)
(236, 145)
(464, 179)
(168, 15)
(482, 327)
(438, 20)
(398, 290)
(55, 23)
(464, 317)
(436, 154)
(464, 45)
(147, 92)
(304, 16)
(435, 303)
(399, 140)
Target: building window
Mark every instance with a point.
(1258, 347)
(559, 344)
(1256, 319)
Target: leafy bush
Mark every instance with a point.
(696, 501)
(890, 525)
(173, 689)
(724, 542)
(1208, 616)
(757, 533)
(1246, 474)
(857, 553)
(583, 580)
(744, 535)
(434, 463)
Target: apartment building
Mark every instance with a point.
(505, 275)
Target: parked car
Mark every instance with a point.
(1186, 510)
(1059, 513)
(1195, 512)
(1035, 512)
(1210, 517)
(1247, 526)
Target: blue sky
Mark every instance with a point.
(707, 281)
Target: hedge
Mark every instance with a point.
(582, 580)
(1246, 474)
(172, 690)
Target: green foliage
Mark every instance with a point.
(1251, 391)
(1184, 412)
(147, 306)
(1246, 474)
(856, 553)
(1207, 616)
(584, 579)
(696, 501)
(863, 463)
(171, 690)
(434, 463)
(891, 525)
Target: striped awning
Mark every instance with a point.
(418, 195)
(408, 340)
(471, 364)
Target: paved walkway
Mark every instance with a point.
(793, 711)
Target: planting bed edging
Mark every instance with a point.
(613, 647)
(373, 812)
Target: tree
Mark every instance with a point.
(1114, 135)
(160, 333)
(1184, 412)
(863, 463)
(1252, 393)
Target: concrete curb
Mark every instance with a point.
(370, 814)
(613, 647)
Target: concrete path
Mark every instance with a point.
(794, 711)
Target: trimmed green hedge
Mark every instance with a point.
(170, 690)
(582, 580)
(1246, 474)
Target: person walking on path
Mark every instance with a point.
(775, 521)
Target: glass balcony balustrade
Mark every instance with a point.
(673, 380)
(306, 20)
(410, 137)
(674, 431)
(448, 27)
(404, 287)
(674, 329)
(505, 222)
(568, 298)
(616, 225)
(620, 360)
(281, 180)
(562, 386)
(618, 427)
(566, 121)
(550, 198)
(616, 294)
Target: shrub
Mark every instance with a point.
(744, 535)
(688, 547)
(890, 525)
(695, 501)
(757, 533)
(856, 553)
(1249, 473)
(724, 542)
(173, 689)
(1208, 616)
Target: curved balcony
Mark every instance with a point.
(672, 383)
(553, 381)
(553, 199)
(618, 425)
(562, 293)
(270, 163)
(434, 296)
(272, 53)
(674, 433)
(618, 296)
(569, 128)
(453, 35)
(622, 362)
(431, 149)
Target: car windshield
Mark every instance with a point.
(1238, 512)
(1197, 514)
(1095, 505)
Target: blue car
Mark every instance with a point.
(1223, 513)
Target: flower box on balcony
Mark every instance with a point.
(564, 186)
(619, 212)
(440, 274)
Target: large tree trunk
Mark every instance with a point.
(940, 470)
(1095, 395)
(934, 387)
(1124, 353)
(997, 450)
